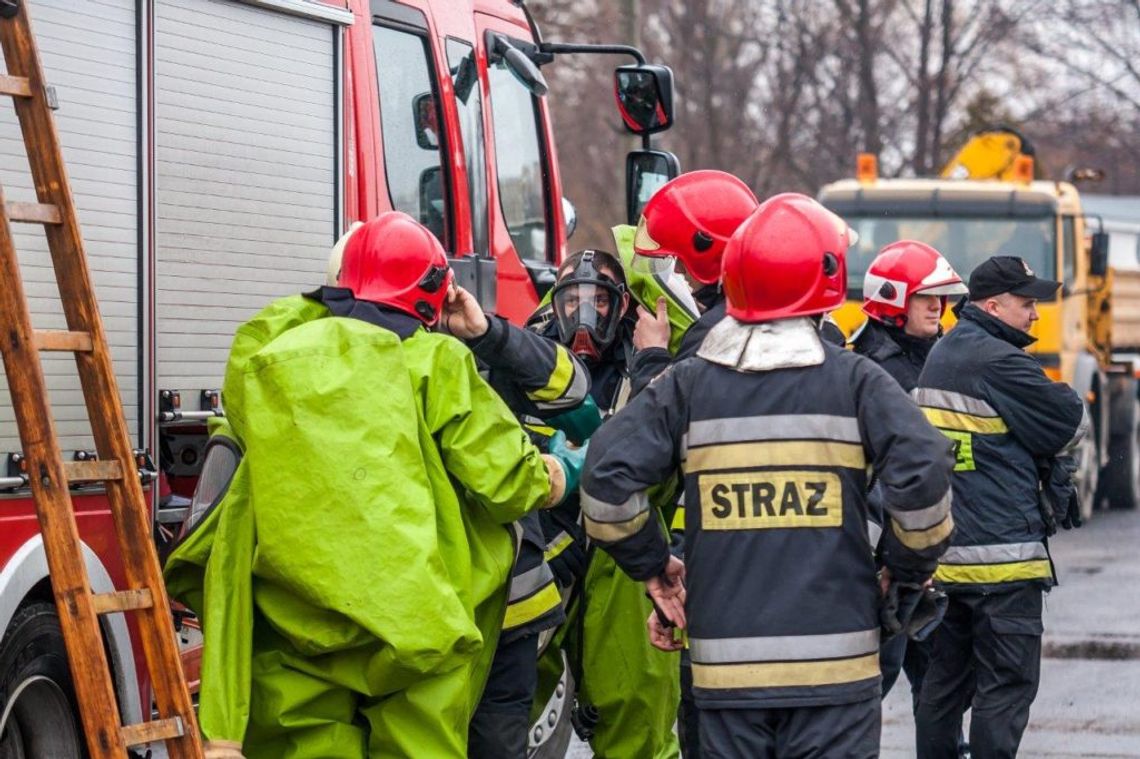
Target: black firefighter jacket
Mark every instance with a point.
(901, 355)
(995, 403)
(541, 378)
(782, 595)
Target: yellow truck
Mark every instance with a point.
(986, 202)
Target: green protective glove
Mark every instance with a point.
(571, 459)
(578, 423)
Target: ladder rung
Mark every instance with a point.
(62, 340)
(33, 213)
(93, 471)
(122, 600)
(17, 86)
(158, 730)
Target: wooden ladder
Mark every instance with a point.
(48, 475)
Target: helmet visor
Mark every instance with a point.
(593, 305)
(642, 242)
(658, 266)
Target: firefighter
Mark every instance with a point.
(774, 430)
(685, 227)
(1002, 413)
(627, 690)
(355, 574)
(905, 292)
(538, 378)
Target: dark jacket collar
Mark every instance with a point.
(879, 341)
(340, 302)
(709, 295)
(996, 327)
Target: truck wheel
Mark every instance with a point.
(1122, 469)
(38, 714)
(550, 735)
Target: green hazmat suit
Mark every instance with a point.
(352, 581)
(634, 687)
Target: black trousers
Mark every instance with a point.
(501, 722)
(987, 657)
(688, 716)
(900, 654)
(807, 732)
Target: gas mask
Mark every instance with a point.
(588, 305)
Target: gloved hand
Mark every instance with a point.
(578, 423)
(912, 609)
(1072, 518)
(1060, 503)
(570, 461)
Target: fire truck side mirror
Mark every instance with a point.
(1098, 254)
(569, 216)
(501, 52)
(644, 95)
(645, 172)
(426, 121)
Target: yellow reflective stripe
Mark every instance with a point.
(678, 523)
(994, 573)
(542, 429)
(559, 378)
(533, 607)
(611, 532)
(786, 674)
(920, 539)
(958, 420)
(557, 547)
(775, 453)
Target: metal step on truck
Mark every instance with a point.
(216, 150)
(987, 202)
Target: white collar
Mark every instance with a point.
(781, 344)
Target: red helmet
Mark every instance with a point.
(397, 262)
(692, 217)
(788, 259)
(903, 269)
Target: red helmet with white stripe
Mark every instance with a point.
(903, 269)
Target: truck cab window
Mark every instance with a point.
(518, 159)
(413, 137)
(469, 103)
(1068, 251)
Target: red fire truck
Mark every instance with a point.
(216, 150)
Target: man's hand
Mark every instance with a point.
(884, 581)
(667, 591)
(660, 636)
(652, 330)
(462, 315)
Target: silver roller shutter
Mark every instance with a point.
(245, 174)
(88, 53)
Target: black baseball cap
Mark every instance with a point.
(1009, 274)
